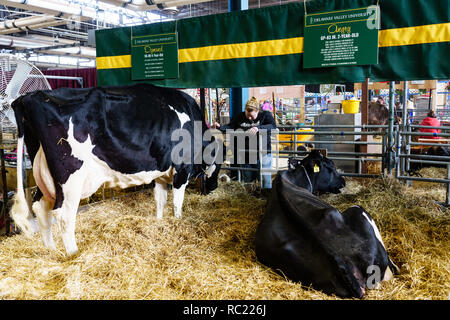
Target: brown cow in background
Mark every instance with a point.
(379, 115)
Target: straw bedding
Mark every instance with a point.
(126, 253)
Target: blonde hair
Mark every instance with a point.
(252, 105)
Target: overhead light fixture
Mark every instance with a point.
(171, 10)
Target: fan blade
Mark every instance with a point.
(9, 114)
(19, 77)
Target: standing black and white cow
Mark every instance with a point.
(311, 242)
(80, 139)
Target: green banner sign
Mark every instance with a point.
(341, 38)
(240, 49)
(154, 56)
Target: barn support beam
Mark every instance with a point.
(4, 214)
(390, 143)
(406, 142)
(238, 96)
(405, 104)
(364, 118)
(203, 101)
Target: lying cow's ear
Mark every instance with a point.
(293, 163)
(313, 166)
(316, 153)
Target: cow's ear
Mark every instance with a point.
(316, 153)
(293, 163)
(314, 166)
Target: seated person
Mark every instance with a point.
(431, 121)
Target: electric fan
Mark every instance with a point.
(17, 77)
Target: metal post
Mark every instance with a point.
(404, 144)
(260, 161)
(236, 106)
(408, 153)
(210, 118)
(447, 198)
(405, 104)
(202, 101)
(384, 152)
(237, 94)
(276, 148)
(364, 119)
(217, 118)
(397, 153)
(4, 212)
(390, 142)
(295, 141)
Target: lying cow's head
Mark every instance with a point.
(316, 173)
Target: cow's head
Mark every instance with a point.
(316, 171)
(213, 166)
(211, 179)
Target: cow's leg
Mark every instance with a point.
(66, 205)
(42, 209)
(66, 218)
(178, 198)
(160, 198)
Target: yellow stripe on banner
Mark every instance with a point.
(242, 50)
(114, 62)
(387, 38)
(414, 35)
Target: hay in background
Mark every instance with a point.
(126, 253)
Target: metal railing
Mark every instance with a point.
(352, 156)
(405, 157)
(357, 156)
(400, 150)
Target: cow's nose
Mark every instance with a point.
(363, 290)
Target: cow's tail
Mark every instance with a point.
(20, 212)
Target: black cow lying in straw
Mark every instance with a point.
(309, 241)
(430, 152)
(80, 139)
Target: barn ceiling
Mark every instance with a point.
(57, 33)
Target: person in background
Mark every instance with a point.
(380, 100)
(267, 106)
(431, 121)
(398, 113)
(252, 120)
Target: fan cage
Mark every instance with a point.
(34, 80)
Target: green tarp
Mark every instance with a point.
(263, 47)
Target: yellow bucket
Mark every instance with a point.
(350, 106)
(291, 137)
